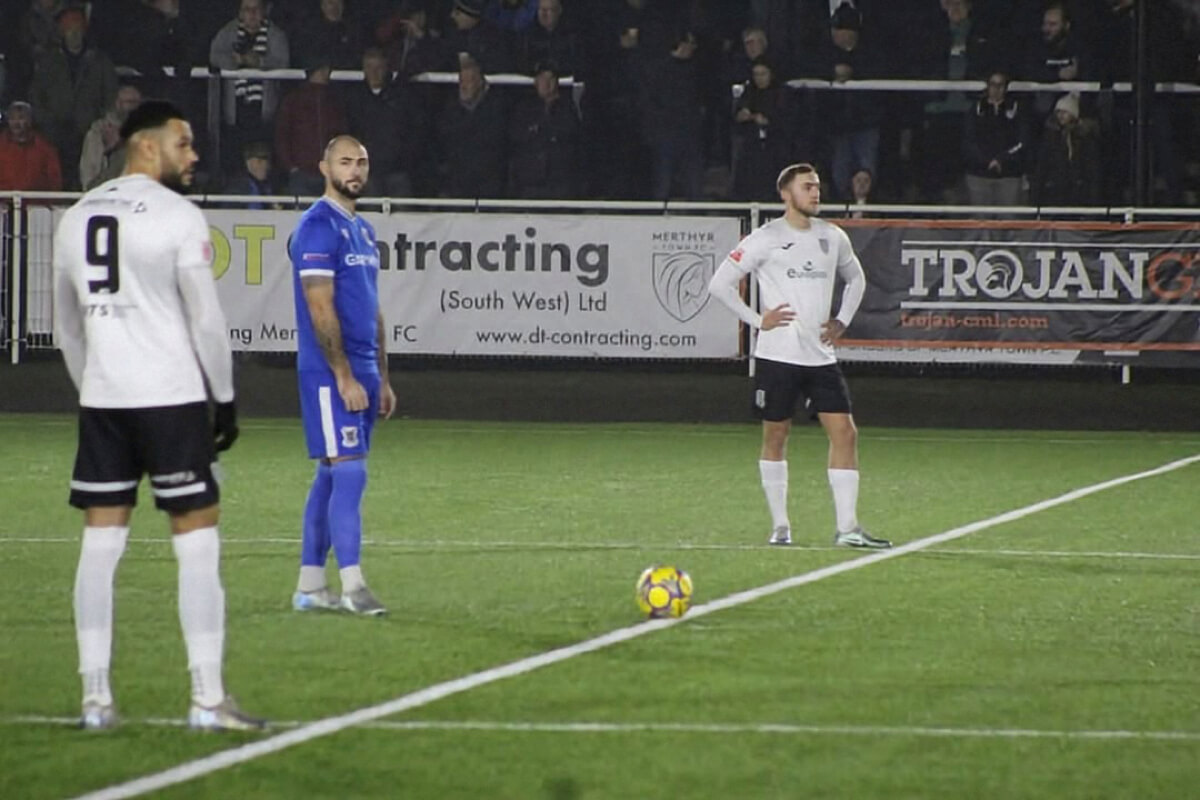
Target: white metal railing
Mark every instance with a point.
(1060, 87)
(873, 85)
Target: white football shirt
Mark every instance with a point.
(136, 312)
(798, 267)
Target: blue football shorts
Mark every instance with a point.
(330, 430)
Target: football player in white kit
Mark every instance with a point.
(140, 328)
(796, 260)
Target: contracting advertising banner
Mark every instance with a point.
(502, 285)
(1027, 293)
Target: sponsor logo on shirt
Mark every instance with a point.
(806, 271)
(362, 260)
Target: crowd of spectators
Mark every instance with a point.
(657, 116)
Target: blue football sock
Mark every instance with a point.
(345, 509)
(314, 543)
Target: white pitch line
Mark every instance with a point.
(418, 545)
(675, 430)
(237, 755)
(968, 551)
(692, 727)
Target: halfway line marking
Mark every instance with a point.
(696, 727)
(248, 752)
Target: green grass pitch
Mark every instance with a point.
(1053, 656)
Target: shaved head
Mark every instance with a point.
(345, 167)
(339, 144)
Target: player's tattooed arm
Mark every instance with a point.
(327, 328)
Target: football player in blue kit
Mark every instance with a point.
(343, 375)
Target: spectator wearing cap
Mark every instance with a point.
(332, 33)
(471, 33)
(28, 161)
(543, 137)
(309, 116)
(851, 118)
(250, 41)
(73, 85)
(256, 177)
(473, 129)
(388, 118)
(103, 155)
(551, 39)
(996, 145)
(1068, 166)
(410, 46)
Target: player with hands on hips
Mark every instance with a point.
(797, 260)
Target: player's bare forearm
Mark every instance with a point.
(329, 339)
(327, 328)
(387, 397)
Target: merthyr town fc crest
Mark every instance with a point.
(681, 282)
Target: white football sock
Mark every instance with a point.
(312, 579)
(352, 578)
(202, 611)
(99, 554)
(775, 486)
(844, 483)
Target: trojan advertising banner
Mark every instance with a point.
(1027, 293)
(502, 285)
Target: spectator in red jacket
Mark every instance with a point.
(309, 116)
(28, 161)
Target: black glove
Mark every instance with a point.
(225, 427)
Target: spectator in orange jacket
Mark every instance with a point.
(28, 161)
